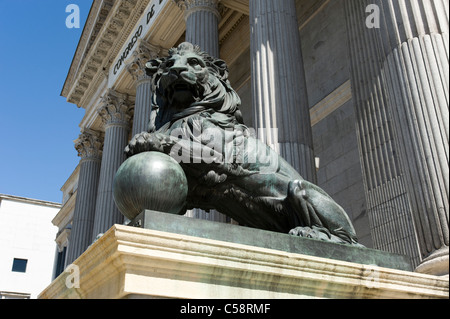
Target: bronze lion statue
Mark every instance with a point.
(196, 120)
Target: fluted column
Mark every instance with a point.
(142, 109)
(202, 20)
(280, 104)
(116, 112)
(400, 71)
(89, 146)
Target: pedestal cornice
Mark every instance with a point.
(129, 262)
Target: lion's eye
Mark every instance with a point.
(194, 62)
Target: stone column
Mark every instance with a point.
(116, 113)
(202, 20)
(280, 104)
(142, 109)
(400, 79)
(89, 146)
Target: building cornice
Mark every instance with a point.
(29, 200)
(73, 176)
(96, 18)
(97, 57)
(65, 214)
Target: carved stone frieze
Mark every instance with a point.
(83, 84)
(105, 44)
(116, 24)
(92, 27)
(110, 34)
(115, 20)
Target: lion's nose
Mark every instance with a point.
(178, 69)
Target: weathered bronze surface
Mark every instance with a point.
(196, 120)
(150, 180)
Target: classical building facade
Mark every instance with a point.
(354, 94)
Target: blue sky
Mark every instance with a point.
(37, 125)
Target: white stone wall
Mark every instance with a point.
(26, 232)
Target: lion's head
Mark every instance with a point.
(190, 81)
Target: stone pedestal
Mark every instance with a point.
(132, 262)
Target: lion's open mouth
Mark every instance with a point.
(182, 91)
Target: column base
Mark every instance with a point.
(132, 262)
(436, 264)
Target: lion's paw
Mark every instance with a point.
(142, 142)
(310, 232)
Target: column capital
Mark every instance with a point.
(143, 53)
(89, 145)
(116, 109)
(192, 6)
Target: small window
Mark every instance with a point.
(19, 265)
